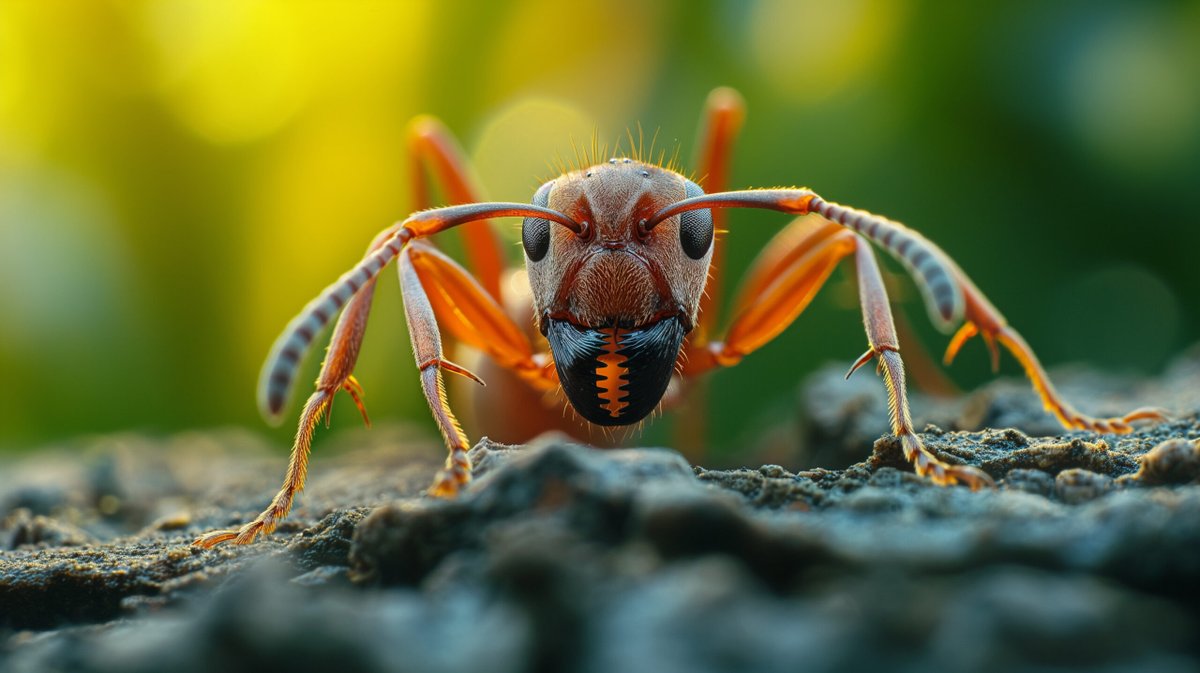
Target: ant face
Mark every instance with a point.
(616, 302)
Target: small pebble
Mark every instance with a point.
(774, 471)
(1077, 485)
(1029, 481)
(1174, 461)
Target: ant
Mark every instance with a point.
(624, 266)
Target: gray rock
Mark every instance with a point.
(562, 557)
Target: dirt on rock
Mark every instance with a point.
(561, 557)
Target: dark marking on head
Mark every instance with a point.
(614, 376)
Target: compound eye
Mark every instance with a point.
(535, 231)
(695, 226)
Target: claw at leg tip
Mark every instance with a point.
(210, 540)
(862, 360)
(355, 390)
(962, 336)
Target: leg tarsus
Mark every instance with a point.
(1156, 414)
(983, 318)
(881, 335)
(454, 476)
(1053, 401)
(926, 464)
(210, 540)
(318, 404)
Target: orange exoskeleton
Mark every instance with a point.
(623, 266)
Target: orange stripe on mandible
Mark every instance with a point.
(611, 373)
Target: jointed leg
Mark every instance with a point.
(724, 112)
(930, 266)
(427, 348)
(336, 374)
(353, 292)
(949, 294)
(434, 287)
(432, 147)
(780, 286)
(883, 346)
(985, 320)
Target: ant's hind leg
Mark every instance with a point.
(724, 112)
(721, 122)
(984, 320)
(433, 148)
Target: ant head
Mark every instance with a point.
(617, 283)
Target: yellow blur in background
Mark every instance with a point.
(178, 178)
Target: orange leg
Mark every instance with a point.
(724, 112)
(351, 294)
(931, 268)
(949, 294)
(433, 148)
(427, 348)
(983, 319)
(336, 374)
(780, 286)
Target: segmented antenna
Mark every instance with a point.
(925, 261)
(279, 371)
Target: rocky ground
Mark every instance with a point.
(1086, 556)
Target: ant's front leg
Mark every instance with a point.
(336, 374)
(427, 348)
(352, 294)
(781, 284)
(435, 286)
(949, 293)
(884, 347)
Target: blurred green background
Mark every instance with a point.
(178, 178)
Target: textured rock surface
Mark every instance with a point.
(1086, 556)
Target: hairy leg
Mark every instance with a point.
(949, 294)
(352, 294)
